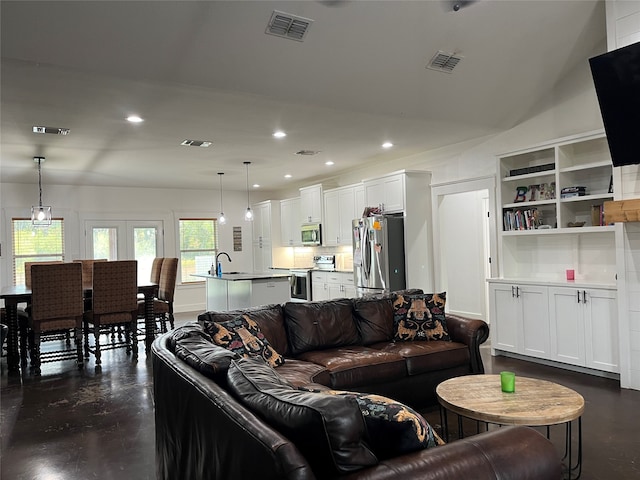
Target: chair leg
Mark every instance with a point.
(24, 343)
(171, 319)
(35, 353)
(77, 334)
(86, 339)
(68, 339)
(96, 334)
(134, 338)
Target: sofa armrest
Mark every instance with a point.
(508, 453)
(472, 333)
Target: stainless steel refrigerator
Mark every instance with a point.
(378, 254)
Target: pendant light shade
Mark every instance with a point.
(40, 215)
(248, 215)
(221, 219)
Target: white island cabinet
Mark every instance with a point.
(235, 291)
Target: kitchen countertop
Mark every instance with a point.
(237, 276)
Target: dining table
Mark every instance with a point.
(16, 294)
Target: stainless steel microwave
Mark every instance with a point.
(311, 234)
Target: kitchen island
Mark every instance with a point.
(237, 290)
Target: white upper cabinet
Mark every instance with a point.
(262, 222)
(290, 222)
(387, 193)
(339, 210)
(311, 204)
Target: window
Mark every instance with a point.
(198, 246)
(35, 244)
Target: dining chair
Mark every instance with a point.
(24, 311)
(87, 269)
(163, 303)
(114, 303)
(56, 307)
(156, 267)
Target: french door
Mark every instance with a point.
(140, 240)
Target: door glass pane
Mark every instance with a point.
(144, 250)
(105, 243)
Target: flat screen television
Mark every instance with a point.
(616, 76)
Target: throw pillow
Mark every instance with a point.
(420, 317)
(392, 428)
(243, 337)
(328, 430)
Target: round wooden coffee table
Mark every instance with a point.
(534, 403)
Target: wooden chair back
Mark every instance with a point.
(168, 276)
(56, 295)
(156, 267)
(87, 269)
(115, 289)
(27, 270)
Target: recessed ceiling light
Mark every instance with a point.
(256, 185)
(328, 162)
(279, 134)
(387, 145)
(288, 175)
(134, 119)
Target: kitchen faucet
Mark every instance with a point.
(218, 269)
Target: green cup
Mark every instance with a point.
(508, 382)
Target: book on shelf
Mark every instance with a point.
(528, 219)
(597, 215)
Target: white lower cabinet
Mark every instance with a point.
(330, 285)
(584, 327)
(519, 319)
(572, 325)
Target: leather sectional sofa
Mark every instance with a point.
(215, 412)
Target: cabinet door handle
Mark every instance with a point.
(584, 296)
(517, 292)
(578, 296)
(513, 291)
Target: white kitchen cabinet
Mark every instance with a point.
(290, 222)
(584, 327)
(311, 204)
(319, 286)
(520, 319)
(339, 211)
(266, 233)
(387, 193)
(340, 285)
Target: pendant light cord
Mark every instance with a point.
(221, 207)
(40, 180)
(248, 202)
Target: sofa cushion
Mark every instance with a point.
(243, 337)
(428, 356)
(354, 366)
(298, 372)
(319, 325)
(392, 428)
(269, 318)
(194, 346)
(329, 430)
(374, 319)
(420, 317)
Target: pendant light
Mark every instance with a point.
(40, 216)
(248, 215)
(221, 219)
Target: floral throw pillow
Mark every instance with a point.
(420, 317)
(243, 337)
(392, 428)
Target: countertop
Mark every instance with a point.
(237, 276)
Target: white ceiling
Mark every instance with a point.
(206, 70)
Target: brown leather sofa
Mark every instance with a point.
(204, 431)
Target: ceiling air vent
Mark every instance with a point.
(51, 130)
(195, 143)
(288, 26)
(444, 62)
(307, 152)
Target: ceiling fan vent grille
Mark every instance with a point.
(307, 152)
(288, 26)
(444, 62)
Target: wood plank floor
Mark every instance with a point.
(82, 425)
